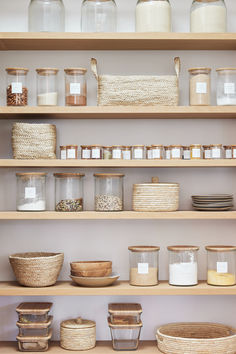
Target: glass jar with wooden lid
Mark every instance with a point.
(126, 152)
(186, 153)
(228, 151)
(200, 87)
(176, 152)
(107, 152)
(149, 152)
(17, 89)
(117, 152)
(167, 150)
(216, 151)
(206, 152)
(63, 152)
(47, 87)
(34, 312)
(75, 87)
(96, 152)
(234, 151)
(85, 152)
(226, 86)
(196, 151)
(138, 152)
(34, 329)
(98, 16)
(122, 312)
(72, 152)
(157, 152)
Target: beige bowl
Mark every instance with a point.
(90, 266)
(93, 273)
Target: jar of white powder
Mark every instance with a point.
(47, 88)
(226, 87)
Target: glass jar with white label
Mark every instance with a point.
(216, 151)
(117, 152)
(17, 91)
(138, 152)
(186, 153)
(207, 152)
(196, 151)
(226, 87)
(75, 87)
(31, 191)
(157, 152)
(47, 87)
(96, 152)
(72, 152)
(228, 152)
(107, 152)
(85, 152)
(221, 265)
(200, 87)
(126, 152)
(149, 152)
(63, 152)
(144, 265)
(176, 152)
(167, 150)
(109, 192)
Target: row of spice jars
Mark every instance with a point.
(47, 87)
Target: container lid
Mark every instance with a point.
(72, 71)
(117, 146)
(85, 146)
(71, 175)
(182, 248)
(47, 71)
(195, 145)
(78, 323)
(35, 325)
(94, 146)
(176, 146)
(218, 145)
(33, 174)
(14, 71)
(130, 324)
(107, 147)
(107, 175)
(35, 339)
(186, 147)
(233, 146)
(72, 146)
(34, 308)
(220, 248)
(128, 309)
(156, 146)
(206, 146)
(138, 146)
(63, 147)
(222, 69)
(143, 248)
(200, 69)
(228, 146)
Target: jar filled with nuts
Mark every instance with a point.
(17, 91)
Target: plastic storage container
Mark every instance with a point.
(34, 344)
(226, 87)
(75, 87)
(47, 88)
(153, 16)
(99, 16)
(35, 329)
(122, 313)
(200, 87)
(17, 91)
(108, 191)
(34, 312)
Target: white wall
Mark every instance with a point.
(110, 239)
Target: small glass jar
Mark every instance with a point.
(200, 87)
(107, 152)
(123, 312)
(17, 91)
(207, 153)
(117, 152)
(216, 151)
(96, 152)
(196, 151)
(75, 87)
(221, 265)
(233, 151)
(108, 191)
(186, 153)
(63, 152)
(208, 16)
(176, 152)
(31, 191)
(138, 152)
(72, 152)
(149, 152)
(157, 152)
(69, 192)
(47, 88)
(167, 152)
(126, 152)
(99, 16)
(85, 152)
(228, 152)
(144, 265)
(226, 87)
(183, 267)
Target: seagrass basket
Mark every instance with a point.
(196, 338)
(36, 269)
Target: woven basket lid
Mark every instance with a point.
(78, 323)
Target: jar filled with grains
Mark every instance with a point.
(200, 87)
(117, 152)
(176, 152)
(196, 151)
(228, 152)
(157, 152)
(207, 152)
(75, 87)
(47, 87)
(126, 152)
(138, 152)
(107, 152)
(108, 191)
(216, 151)
(17, 91)
(71, 152)
(63, 152)
(186, 153)
(85, 152)
(96, 152)
(167, 152)
(149, 153)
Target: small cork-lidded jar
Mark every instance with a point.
(85, 152)
(157, 152)
(228, 151)
(207, 152)
(196, 151)
(176, 152)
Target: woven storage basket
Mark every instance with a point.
(34, 141)
(36, 269)
(137, 90)
(78, 334)
(196, 338)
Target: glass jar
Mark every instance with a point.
(107, 152)
(207, 152)
(221, 265)
(63, 152)
(149, 152)
(186, 153)
(153, 16)
(233, 151)
(123, 312)
(46, 16)
(17, 91)
(96, 152)
(117, 152)
(167, 152)
(69, 192)
(196, 151)
(126, 152)
(208, 16)
(228, 152)
(176, 152)
(99, 16)
(47, 88)
(31, 191)
(71, 152)
(226, 87)
(216, 151)
(34, 312)
(200, 87)
(85, 152)
(138, 152)
(157, 152)
(183, 267)
(75, 87)
(108, 191)
(144, 265)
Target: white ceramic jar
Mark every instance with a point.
(153, 16)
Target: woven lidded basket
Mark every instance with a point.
(78, 334)
(36, 269)
(137, 90)
(196, 338)
(34, 141)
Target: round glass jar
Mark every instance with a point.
(176, 152)
(226, 87)
(126, 152)
(200, 87)
(149, 152)
(157, 152)
(144, 265)
(216, 151)
(138, 152)
(117, 152)
(96, 152)
(69, 192)
(207, 152)
(47, 88)
(228, 152)
(221, 262)
(186, 153)
(167, 150)
(63, 152)
(31, 191)
(71, 152)
(208, 16)
(107, 152)
(85, 152)
(196, 151)
(108, 191)
(75, 87)
(98, 16)
(233, 151)
(17, 91)
(183, 267)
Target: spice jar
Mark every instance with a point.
(167, 152)
(221, 265)
(208, 16)
(176, 152)
(228, 152)
(234, 151)
(149, 152)
(72, 152)
(120, 313)
(127, 152)
(157, 152)
(69, 190)
(85, 152)
(34, 312)
(196, 151)
(153, 16)
(96, 152)
(186, 153)
(107, 152)
(216, 151)
(108, 191)
(207, 152)
(117, 152)
(17, 91)
(63, 152)
(138, 152)
(183, 268)
(99, 16)
(76, 87)
(47, 89)
(144, 265)
(31, 191)
(226, 87)
(200, 87)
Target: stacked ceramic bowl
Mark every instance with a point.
(213, 202)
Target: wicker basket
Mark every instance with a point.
(196, 338)
(34, 141)
(36, 269)
(137, 90)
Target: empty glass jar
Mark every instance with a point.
(226, 87)
(108, 191)
(17, 91)
(99, 16)
(47, 89)
(76, 88)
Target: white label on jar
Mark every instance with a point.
(116, 154)
(222, 267)
(126, 155)
(143, 268)
(167, 154)
(156, 153)
(228, 154)
(229, 88)
(30, 192)
(138, 153)
(201, 87)
(75, 88)
(63, 154)
(187, 155)
(196, 153)
(71, 154)
(95, 153)
(216, 153)
(175, 153)
(85, 154)
(207, 154)
(16, 87)
(234, 153)
(150, 154)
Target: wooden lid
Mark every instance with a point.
(217, 145)
(176, 146)
(72, 146)
(182, 248)
(47, 71)
(31, 174)
(206, 146)
(73, 71)
(156, 146)
(94, 146)
(223, 69)
(117, 146)
(138, 146)
(36, 338)
(64, 175)
(15, 71)
(34, 308)
(196, 145)
(200, 69)
(129, 324)
(85, 146)
(78, 323)
(233, 146)
(227, 146)
(143, 248)
(186, 147)
(220, 248)
(108, 175)
(35, 325)
(107, 147)
(119, 309)
(63, 147)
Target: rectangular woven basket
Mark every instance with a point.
(137, 90)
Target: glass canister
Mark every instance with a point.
(17, 91)
(200, 87)
(216, 151)
(117, 152)
(221, 265)
(226, 87)
(186, 153)
(207, 152)
(149, 152)
(176, 152)
(85, 152)
(75, 87)
(63, 152)
(228, 152)
(46, 16)
(47, 88)
(138, 152)
(71, 152)
(208, 16)
(144, 265)
(31, 191)
(107, 152)
(96, 152)
(127, 152)
(99, 16)
(69, 191)
(153, 16)
(167, 152)
(108, 191)
(196, 151)
(183, 267)
(157, 152)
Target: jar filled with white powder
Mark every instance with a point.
(47, 88)
(226, 87)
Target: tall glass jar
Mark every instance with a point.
(69, 191)
(99, 16)
(153, 16)
(226, 87)
(47, 88)
(46, 16)
(108, 191)
(200, 87)
(76, 88)
(144, 265)
(17, 91)
(208, 16)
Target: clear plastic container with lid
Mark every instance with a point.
(228, 152)
(221, 265)
(176, 152)
(226, 87)
(17, 91)
(144, 265)
(75, 87)
(34, 312)
(200, 87)
(47, 87)
(196, 151)
(34, 329)
(34, 344)
(99, 16)
(216, 151)
(138, 152)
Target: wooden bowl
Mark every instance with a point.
(90, 266)
(93, 273)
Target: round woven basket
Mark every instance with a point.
(36, 269)
(196, 338)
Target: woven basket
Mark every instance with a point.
(34, 141)
(137, 90)
(36, 269)
(196, 338)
